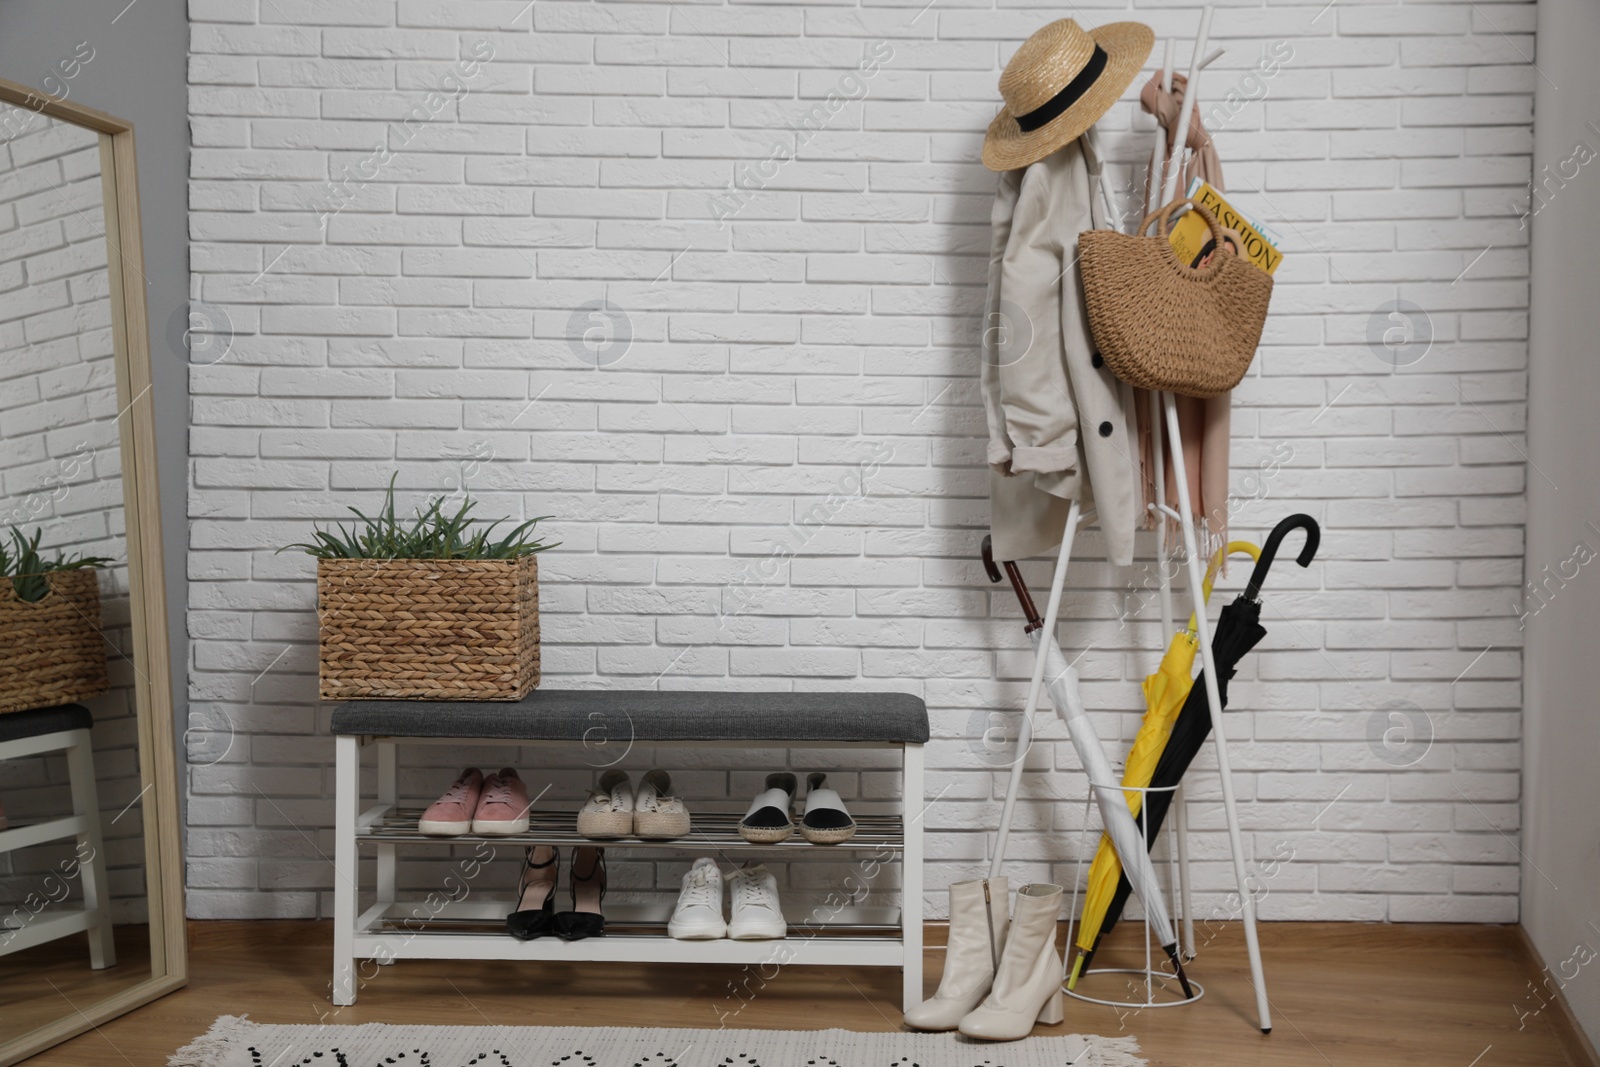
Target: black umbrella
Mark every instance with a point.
(1238, 631)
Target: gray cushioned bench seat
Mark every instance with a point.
(648, 715)
(16, 725)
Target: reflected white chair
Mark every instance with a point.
(40, 732)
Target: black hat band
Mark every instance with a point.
(1052, 108)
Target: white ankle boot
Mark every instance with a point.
(977, 937)
(1027, 985)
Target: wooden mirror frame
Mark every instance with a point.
(158, 773)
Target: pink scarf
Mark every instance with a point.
(1203, 425)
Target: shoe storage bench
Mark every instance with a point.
(608, 723)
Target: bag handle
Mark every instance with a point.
(1163, 214)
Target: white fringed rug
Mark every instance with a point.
(238, 1042)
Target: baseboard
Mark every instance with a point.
(1572, 1035)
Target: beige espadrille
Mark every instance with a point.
(825, 822)
(657, 815)
(609, 810)
(771, 816)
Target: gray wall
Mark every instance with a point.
(1561, 791)
(137, 74)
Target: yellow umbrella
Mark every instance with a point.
(1164, 694)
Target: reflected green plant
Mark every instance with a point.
(26, 566)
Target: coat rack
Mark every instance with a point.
(1166, 417)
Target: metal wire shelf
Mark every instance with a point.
(714, 831)
(634, 920)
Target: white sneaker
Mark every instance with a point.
(698, 916)
(756, 914)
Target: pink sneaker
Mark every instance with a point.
(503, 808)
(452, 813)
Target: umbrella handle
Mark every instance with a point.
(988, 558)
(1270, 551)
(1029, 611)
(1232, 548)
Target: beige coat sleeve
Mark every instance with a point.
(1035, 394)
(995, 328)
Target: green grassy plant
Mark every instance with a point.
(431, 534)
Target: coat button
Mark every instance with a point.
(1105, 429)
(1098, 360)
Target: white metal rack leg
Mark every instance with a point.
(1169, 172)
(1224, 769)
(913, 814)
(1052, 612)
(1185, 886)
(1180, 814)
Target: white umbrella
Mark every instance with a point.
(1114, 813)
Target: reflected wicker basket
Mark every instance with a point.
(428, 629)
(54, 652)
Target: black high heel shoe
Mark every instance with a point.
(535, 912)
(588, 893)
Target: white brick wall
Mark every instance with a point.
(564, 179)
(61, 464)
(59, 458)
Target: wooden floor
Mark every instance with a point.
(41, 984)
(1344, 995)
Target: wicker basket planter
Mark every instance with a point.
(428, 629)
(54, 652)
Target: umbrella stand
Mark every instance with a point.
(1153, 979)
(1167, 693)
(1126, 835)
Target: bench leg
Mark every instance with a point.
(911, 876)
(347, 803)
(91, 851)
(388, 794)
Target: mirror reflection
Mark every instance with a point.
(73, 908)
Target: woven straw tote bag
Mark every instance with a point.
(1162, 325)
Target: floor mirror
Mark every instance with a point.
(91, 878)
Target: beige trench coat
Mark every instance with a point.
(1057, 428)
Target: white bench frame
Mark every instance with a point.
(364, 936)
(83, 825)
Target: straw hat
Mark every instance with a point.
(1058, 84)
